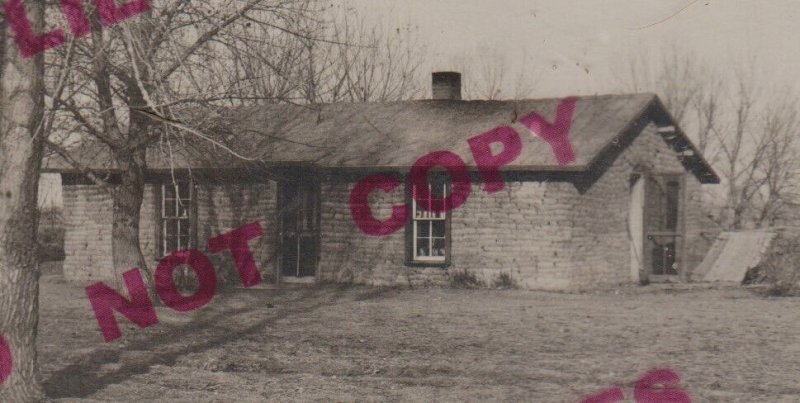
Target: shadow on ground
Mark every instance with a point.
(211, 327)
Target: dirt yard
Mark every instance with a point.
(334, 343)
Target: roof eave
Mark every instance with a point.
(654, 111)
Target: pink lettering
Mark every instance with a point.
(203, 269)
(456, 168)
(29, 43)
(556, 134)
(106, 300)
(111, 14)
(361, 213)
(236, 241)
(607, 396)
(644, 392)
(488, 164)
(6, 362)
(76, 16)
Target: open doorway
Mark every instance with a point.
(298, 219)
(655, 225)
(663, 226)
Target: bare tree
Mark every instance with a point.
(491, 80)
(680, 80)
(740, 154)
(780, 167)
(747, 136)
(21, 144)
(370, 65)
(124, 76)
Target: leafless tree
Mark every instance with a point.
(741, 153)
(371, 65)
(131, 84)
(148, 66)
(490, 79)
(780, 169)
(744, 132)
(21, 144)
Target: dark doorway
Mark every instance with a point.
(663, 225)
(298, 218)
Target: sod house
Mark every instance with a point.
(626, 210)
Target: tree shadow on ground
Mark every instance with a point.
(210, 329)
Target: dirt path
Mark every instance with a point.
(362, 344)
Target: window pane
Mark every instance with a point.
(169, 191)
(172, 227)
(176, 210)
(183, 242)
(429, 242)
(183, 190)
(672, 206)
(437, 190)
(183, 228)
(438, 228)
(171, 244)
(423, 229)
(422, 247)
(169, 208)
(182, 208)
(438, 247)
(437, 207)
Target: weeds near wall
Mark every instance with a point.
(505, 281)
(465, 279)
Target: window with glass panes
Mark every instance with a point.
(176, 202)
(429, 228)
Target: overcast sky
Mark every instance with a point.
(559, 40)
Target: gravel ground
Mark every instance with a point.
(336, 343)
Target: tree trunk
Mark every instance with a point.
(128, 195)
(21, 103)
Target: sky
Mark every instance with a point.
(584, 47)
(578, 47)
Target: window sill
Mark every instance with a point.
(422, 263)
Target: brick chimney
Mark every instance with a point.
(446, 85)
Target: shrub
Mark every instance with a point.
(465, 279)
(504, 280)
(780, 268)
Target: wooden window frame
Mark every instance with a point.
(160, 219)
(410, 231)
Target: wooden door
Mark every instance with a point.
(298, 218)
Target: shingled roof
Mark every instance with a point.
(393, 135)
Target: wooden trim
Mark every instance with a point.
(409, 234)
(666, 233)
(318, 219)
(193, 219)
(159, 223)
(683, 269)
(158, 213)
(646, 266)
(278, 230)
